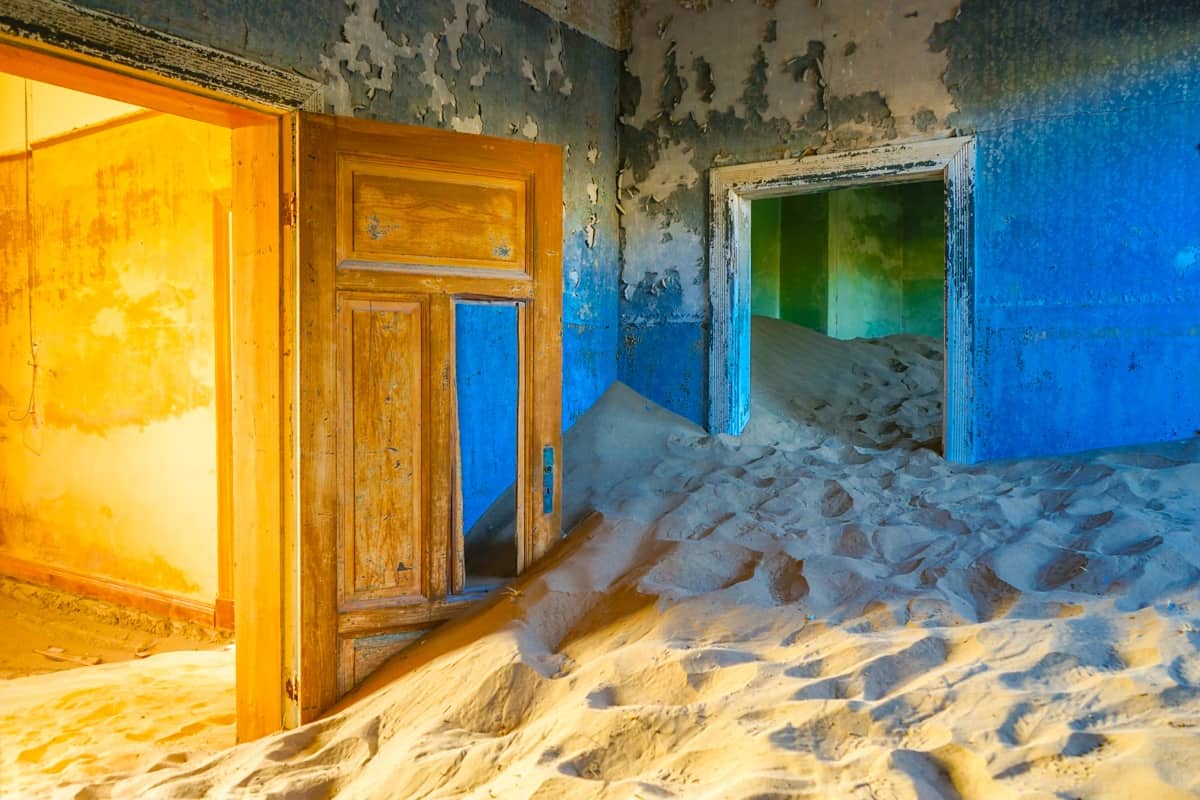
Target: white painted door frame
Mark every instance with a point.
(731, 190)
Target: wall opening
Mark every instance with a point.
(487, 381)
(843, 195)
(847, 296)
(114, 308)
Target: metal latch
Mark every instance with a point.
(547, 480)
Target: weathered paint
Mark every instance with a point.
(709, 84)
(1088, 330)
(498, 67)
(109, 467)
(1086, 117)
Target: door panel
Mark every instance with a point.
(400, 214)
(394, 225)
(383, 346)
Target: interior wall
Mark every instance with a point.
(765, 246)
(860, 262)
(804, 272)
(498, 67)
(108, 451)
(1087, 233)
(486, 376)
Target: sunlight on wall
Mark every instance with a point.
(108, 458)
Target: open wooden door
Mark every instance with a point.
(394, 224)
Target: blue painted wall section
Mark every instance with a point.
(497, 67)
(1087, 220)
(486, 373)
(1087, 118)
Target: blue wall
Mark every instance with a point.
(1087, 220)
(486, 374)
(1087, 118)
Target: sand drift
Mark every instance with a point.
(820, 608)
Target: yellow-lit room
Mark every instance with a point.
(116, 225)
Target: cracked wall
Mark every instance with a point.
(497, 67)
(1087, 126)
(738, 81)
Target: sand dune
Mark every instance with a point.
(820, 608)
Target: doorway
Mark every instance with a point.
(734, 189)
(137, 283)
(848, 313)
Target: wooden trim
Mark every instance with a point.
(151, 601)
(122, 48)
(223, 374)
(733, 188)
(289, 303)
(60, 69)
(543, 353)
(318, 658)
(224, 614)
(257, 419)
(461, 283)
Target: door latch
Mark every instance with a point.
(547, 480)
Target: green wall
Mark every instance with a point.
(925, 259)
(764, 257)
(862, 262)
(803, 272)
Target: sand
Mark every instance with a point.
(37, 618)
(821, 608)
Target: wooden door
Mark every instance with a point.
(394, 223)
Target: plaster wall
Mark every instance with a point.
(499, 67)
(765, 246)
(1087, 258)
(108, 449)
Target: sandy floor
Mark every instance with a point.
(63, 723)
(822, 608)
(38, 618)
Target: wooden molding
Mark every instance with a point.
(151, 601)
(121, 45)
(223, 614)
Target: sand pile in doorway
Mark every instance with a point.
(821, 608)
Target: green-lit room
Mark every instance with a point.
(848, 314)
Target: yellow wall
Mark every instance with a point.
(114, 474)
(53, 111)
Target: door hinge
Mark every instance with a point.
(290, 212)
(292, 689)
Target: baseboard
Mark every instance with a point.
(182, 609)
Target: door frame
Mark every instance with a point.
(731, 191)
(91, 51)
